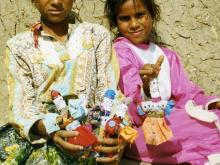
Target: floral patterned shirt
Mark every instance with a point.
(83, 66)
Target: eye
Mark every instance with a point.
(124, 18)
(140, 15)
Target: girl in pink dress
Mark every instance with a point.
(194, 119)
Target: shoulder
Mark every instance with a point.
(167, 51)
(124, 52)
(94, 28)
(21, 41)
(172, 56)
(121, 43)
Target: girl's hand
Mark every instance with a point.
(215, 105)
(218, 105)
(150, 71)
(60, 137)
(113, 146)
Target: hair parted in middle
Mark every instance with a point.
(112, 7)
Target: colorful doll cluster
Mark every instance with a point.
(110, 118)
(72, 118)
(155, 128)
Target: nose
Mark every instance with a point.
(56, 3)
(134, 24)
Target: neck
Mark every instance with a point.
(57, 30)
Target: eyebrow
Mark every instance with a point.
(137, 12)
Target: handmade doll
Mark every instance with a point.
(70, 118)
(155, 128)
(114, 120)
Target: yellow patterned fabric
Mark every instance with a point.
(84, 65)
(129, 134)
(156, 130)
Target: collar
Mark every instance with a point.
(38, 31)
(125, 40)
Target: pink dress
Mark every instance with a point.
(193, 140)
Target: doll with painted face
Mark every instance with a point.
(154, 127)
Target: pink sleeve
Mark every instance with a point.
(130, 80)
(129, 72)
(182, 89)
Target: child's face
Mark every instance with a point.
(54, 11)
(134, 21)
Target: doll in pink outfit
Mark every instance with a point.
(194, 119)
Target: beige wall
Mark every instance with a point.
(192, 28)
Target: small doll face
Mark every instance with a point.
(104, 120)
(107, 103)
(149, 106)
(54, 11)
(134, 21)
(154, 85)
(121, 110)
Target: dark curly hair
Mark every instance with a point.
(111, 11)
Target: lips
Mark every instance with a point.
(136, 33)
(55, 11)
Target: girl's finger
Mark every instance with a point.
(159, 61)
(66, 134)
(107, 159)
(108, 141)
(147, 66)
(109, 149)
(218, 105)
(146, 72)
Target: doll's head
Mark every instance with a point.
(133, 18)
(54, 11)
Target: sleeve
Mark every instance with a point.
(107, 66)
(23, 106)
(183, 89)
(130, 82)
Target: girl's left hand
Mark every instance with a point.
(215, 105)
(218, 105)
(110, 146)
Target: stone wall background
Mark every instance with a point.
(191, 28)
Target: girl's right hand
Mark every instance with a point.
(150, 71)
(110, 146)
(59, 138)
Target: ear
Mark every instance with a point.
(33, 1)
